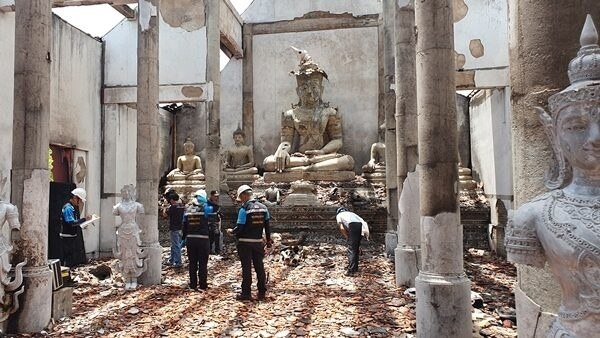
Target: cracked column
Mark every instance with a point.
(443, 289)
(147, 165)
(389, 106)
(408, 252)
(30, 174)
(213, 74)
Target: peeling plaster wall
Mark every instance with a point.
(182, 55)
(231, 100)
(486, 21)
(120, 144)
(491, 145)
(75, 117)
(278, 10)
(350, 58)
(7, 60)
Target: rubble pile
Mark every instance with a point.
(311, 299)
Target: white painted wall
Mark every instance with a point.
(231, 100)
(7, 60)
(278, 10)
(182, 55)
(491, 153)
(350, 58)
(486, 20)
(120, 144)
(75, 117)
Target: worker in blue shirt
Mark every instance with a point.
(253, 219)
(71, 235)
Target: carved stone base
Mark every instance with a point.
(235, 181)
(291, 176)
(378, 176)
(185, 188)
(303, 194)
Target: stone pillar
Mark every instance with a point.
(147, 136)
(389, 106)
(408, 252)
(443, 289)
(30, 175)
(213, 74)
(544, 36)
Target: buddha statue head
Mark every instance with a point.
(573, 124)
(239, 137)
(188, 147)
(309, 79)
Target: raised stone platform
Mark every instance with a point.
(291, 176)
(186, 188)
(235, 181)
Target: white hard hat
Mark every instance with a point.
(242, 189)
(79, 192)
(200, 193)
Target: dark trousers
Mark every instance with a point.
(214, 237)
(354, 237)
(197, 250)
(73, 250)
(252, 254)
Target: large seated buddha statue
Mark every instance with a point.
(562, 227)
(239, 162)
(188, 176)
(311, 134)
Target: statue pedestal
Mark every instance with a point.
(185, 188)
(234, 181)
(378, 176)
(291, 176)
(303, 194)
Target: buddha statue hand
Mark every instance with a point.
(282, 156)
(314, 152)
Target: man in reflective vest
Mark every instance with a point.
(253, 219)
(195, 232)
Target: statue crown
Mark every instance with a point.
(584, 72)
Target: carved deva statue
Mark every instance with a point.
(562, 227)
(311, 132)
(131, 258)
(10, 287)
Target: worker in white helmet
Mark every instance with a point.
(73, 250)
(253, 219)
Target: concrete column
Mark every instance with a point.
(544, 37)
(389, 106)
(443, 289)
(30, 176)
(408, 252)
(147, 136)
(213, 74)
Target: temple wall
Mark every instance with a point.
(182, 56)
(350, 58)
(491, 152)
(278, 10)
(231, 100)
(75, 118)
(7, 60)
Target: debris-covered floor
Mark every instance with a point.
(312, 299)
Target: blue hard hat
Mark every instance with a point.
(340, 209)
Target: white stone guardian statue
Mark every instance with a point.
(562, 227)
(131, 257)
(10, 287)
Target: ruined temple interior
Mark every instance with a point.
(220, 69)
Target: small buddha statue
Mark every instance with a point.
(562, 227)
(377, 160)
(311, 132)
(189, 165)
(239, 158)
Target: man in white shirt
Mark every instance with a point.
(353, 228)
